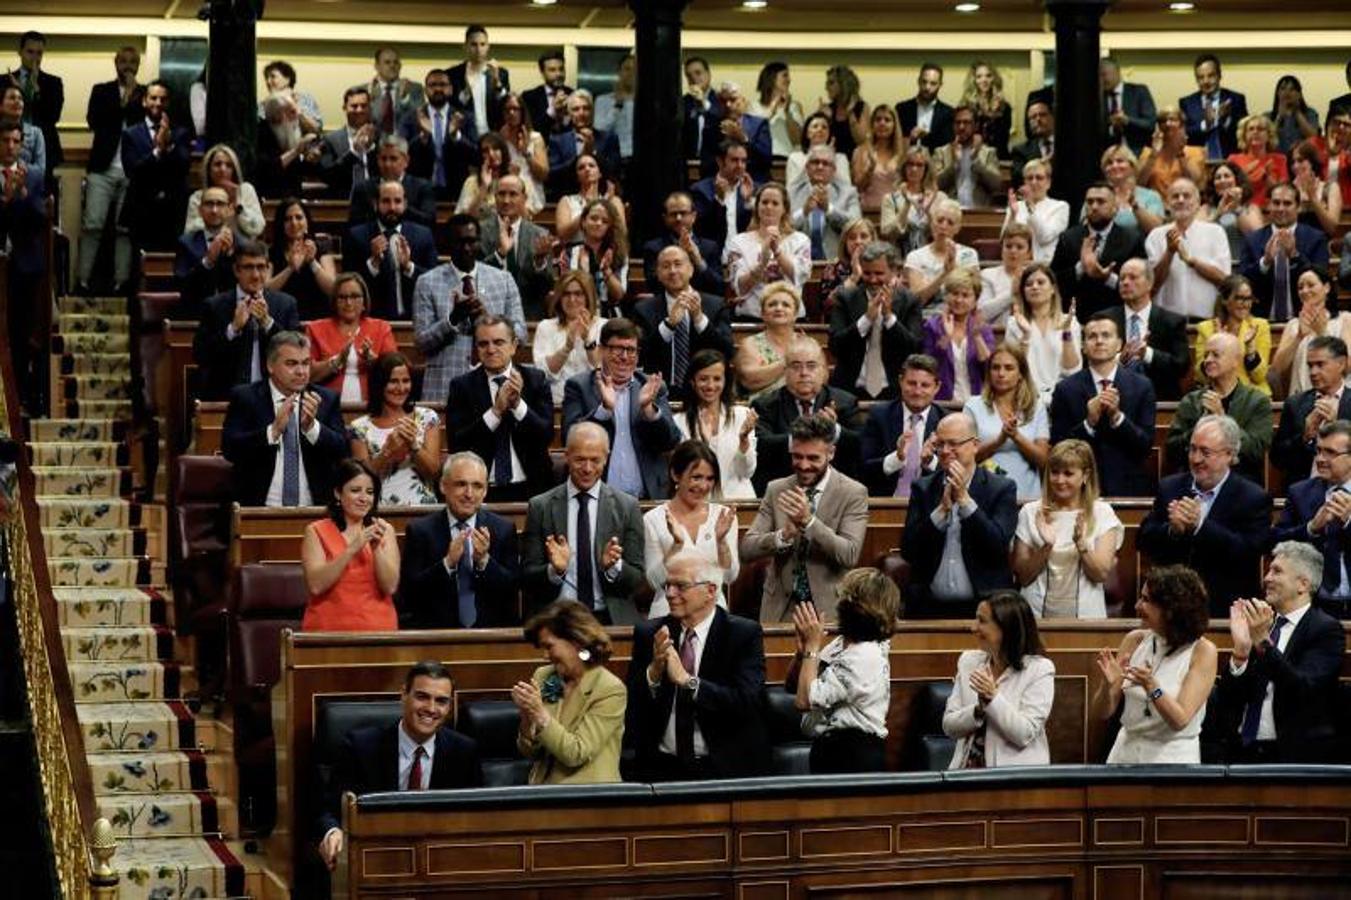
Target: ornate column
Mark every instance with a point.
(231, 101)
(657, 167)
(1078, 96)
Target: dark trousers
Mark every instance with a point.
(666, 767)
(1338, 608)
(848, 750)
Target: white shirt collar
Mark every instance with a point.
(1215, 491)
(820, 486)
(923, 413)
(1293, 618)
(454, 520)
(593, 492)
(1143, 312)
(1098, 379)
(407, 745)
(703, 628)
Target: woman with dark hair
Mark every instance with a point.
(815, 130)
(304, 264)
(528, 155)
(481, 184)
(1233, 314)
(1295, 120)
(844, 687)
(846, 109)
(593, 183)
(712, 418)
(1003, 691)
(280, 78)
(1227, 201)
(400, 441)
(1320, 200)
(602, 252)
(1318, 315)
(572, 710)
(350, 558)
(777, 106)
(343, 345)
(689, 524)
(567, 343)
(1163, 672)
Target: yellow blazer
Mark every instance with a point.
(1255, 377)
(581, 743)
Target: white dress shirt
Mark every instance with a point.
(1266, 725)
(569, 579)
(735, 467)
(668, 738)
(1184, 291)
(703, 543)
(274, 490)
(406, 748)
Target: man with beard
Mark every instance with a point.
(285, 151)
(345, 153)
(547, 104)
(392, 165)
(437, 147)
(155, 157)
(924, 118)
(112, 106)
(1089, 253)
(391, 254)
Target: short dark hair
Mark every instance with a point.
(490, 320)
(160, 83)
(728, 144)
(37, 36)
(677, 195)
(921, 362)
(282, 66)
(1334, 345)
(431, 72)
(695, 59)
(619, 327)
(459, 220)
(1104, 316)
(1100, 185)
(929, 64)
(378, 376)
(1208, 58)
(473, 29)
(1283, 186)
(1017, 626)
(344, 472)
(250, 247)
(427, 668)
(1181, 596)
(815, 427)
(353, 91)
(1336, 426)
(548, 55)
(382, 48)
(8, 125)
(687, 453)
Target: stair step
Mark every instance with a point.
(164, 770)
(88, 482)
(205, 868)
(88, 388)
(118, 645)
(137, 726)
(94, 543)
(80, 512)
(109, 607)
(116, 364)
(94, 409)
(141, 680)
(124, 572)
(93, 323)
(169, 814)
(83, 454)
(91, 342)
(74, 304)
(75, 430)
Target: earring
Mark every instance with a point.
(584, 654)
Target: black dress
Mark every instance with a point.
(840, 131)
(311, 300)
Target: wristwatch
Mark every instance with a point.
(1155, 694)
(692, 685)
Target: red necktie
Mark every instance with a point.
(387, 118)
(415, 773)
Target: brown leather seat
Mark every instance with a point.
(200, 565)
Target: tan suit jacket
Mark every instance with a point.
(581, 743)
(984, 168)
(836, 536)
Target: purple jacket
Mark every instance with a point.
(936, 345)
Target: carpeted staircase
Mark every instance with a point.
(163, 773)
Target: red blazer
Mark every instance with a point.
(326, 339)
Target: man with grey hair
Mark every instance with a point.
(582, 138)
(1277, 699)
(1206, 519)
(282, 434)
(874, 326)
(460, 565)
(391, 160)
(1154, 340)
(285, 150)
(1189, 255)
(821, 208)
(1222, 394)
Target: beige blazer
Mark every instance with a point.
(1015, 733)
(984, 168)
(581, 743)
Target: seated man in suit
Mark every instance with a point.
(450, 298)
(820, 207)
(582, 137)
(505, 414)
(967, 169)
(696, 685)
(547, 102)
(811, 526)
(345, 158)
(282, 434)
(874, 326)
(1128, 109)
(722, 201)
(958, 528)
(1212, 112)
(735, 122)
(1040, 143)
(513, 242)
(417, 753)
(804, 393)
(1089, 253)
(1316, 511)
(926, 120)
(584, 539)
(1303, 414)
(1224, 395)
(231, 343)
(1112, 409)
(1277, 699)
(678, 322)
(897, 441)
(391, 161)
(679, 217)
(155, 157)
(1209, 519)
(204, 259)
(391, 254)
(461, 566)
(1155, 339)
(632, 408)
(1275, 255)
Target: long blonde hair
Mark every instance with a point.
(1074, 453)
(1024, 396)
(897, 145)
(971, 95)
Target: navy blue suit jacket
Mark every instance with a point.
(106, 117)
(652, 438)
(244, 443)
(470, 398)
(356, 250)
(429, 597)
(1289, 451)
(759, 146)
(21, 222)
(1193, 118)
(1311, 249)
(157, 186)
(710, 217)
(656, 351)
(1138, 105)
(778, 410)
(1302, 502)
(563, 160)
(884, 426)
(194, 280)
(1120, 450)
(707, 280)
(223, 362)
(690, 131)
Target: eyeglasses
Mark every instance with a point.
(622, 349)
(940, 446)
(1204, 452)
(800, 366)
(681, 587)
(1329, 453)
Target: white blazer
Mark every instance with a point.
(1016, 718)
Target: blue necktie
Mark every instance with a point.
(1280, 287)
(438, 139)
(502, 452)
(680, 353)
(818, 226)
(586, 579)
(464, 578)
(290, 459)
(1252, 717)
(1214, 149)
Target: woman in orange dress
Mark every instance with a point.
(1261, 160)
(351, 559)
(343, 346)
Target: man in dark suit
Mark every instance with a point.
(589, 550)
(1275, 255)
(1111, 408)
(1040, 143)
(155, 158)
(633, 408)
(714, 218)
(418, 752)
(479, 84)
(678, 321)
(547, 103)
(505, 414)
(461, 566)
(23, 219)
(737, 123)
(1209, 518)
(1316, 512)
(392, 162)
(1127, 109)
(204, 259)
(231, 343)
(678, 215)
(1089, 253)
(897, 443)
(582, 137)
(512, 242)
(1277, 699)
(873, 328)
(1303, 414)
(1212, 113)
(924, 118)
(282, 434)
(1155, 339)
(958, 528)
(696, 685)
(394, 100)
(700, 106)
(346, 157)
(391, 254)
(43, 95)
(113, 105)
(438, 149)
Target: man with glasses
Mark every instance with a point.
(1317, 511)
(1206, 519)
(811, 525)
(821, 208)
(696, 685)
(1222, 394)
(706, 256)
(204, 259)
(631, 407)
(1304, 413)
(958, 528)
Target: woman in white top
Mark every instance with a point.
(400, 441)
(1045, 215)
(926, 267)
(528, 153)
(816, 130)
(1011, 421)
(220, 168)
(1046, 333)
(567, 343)
(1317, 315)
(1002, 693)
(768, 251)
(1066, 543)
(1001, 283)
(777, 105)
(602, 252)
(592, 184)
(906, 210)
(689, 524)
(729, 430)
(844, 688)
(1163, 672)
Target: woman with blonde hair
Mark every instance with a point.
(983, 91)
(1033, 206)
(876, 164)
(1012, 423)
(1136, 205)
(762, 356)
(905, 211)
(846, 271)
(220, 168)
(769, 250)
(927, 267)
(1261, 160)
(1047, 333)
(567, 343)
(1066, 543)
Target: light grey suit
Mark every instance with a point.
(835, 534)
(844, 208)
(533, 280)
(984, 169)
(617, 515)
(448, 345)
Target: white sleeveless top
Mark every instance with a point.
(1145, 736)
